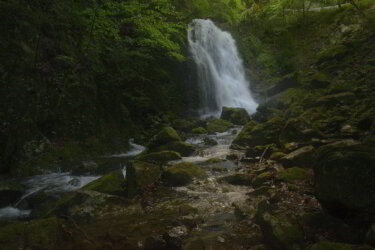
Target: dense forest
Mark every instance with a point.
(83, 84)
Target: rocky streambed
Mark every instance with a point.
(192, 194)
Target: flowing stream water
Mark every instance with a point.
(221, 73)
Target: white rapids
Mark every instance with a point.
(221, 73)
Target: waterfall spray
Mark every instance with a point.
(220, 69)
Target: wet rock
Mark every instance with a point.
(140, 175)
(280, 232)
(261, 179)
(218, 125)
(173, 241)
(155, 243)
(291, 146)
(237, 179)
(237, 116)
(293, 174)
(214, 160)
(112, 183)
(263, 190)
(301, 157)
(199, 131)
(343, 177)
(275, 156)
(10, 192)
(165, 136)
(182, 174)
(259, 151)
(219, 169)
(184, 149)
(159, 157)
(259, 134)
(209, 141)
(232, 157)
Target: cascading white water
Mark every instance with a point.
(220, 69)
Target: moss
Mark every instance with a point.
(277, 155)
(303, 157)
(140, 175)
(261, 179)
(38, 234)
(199, 131)
(209, 141)
(182, 174)
(218, 125)
(159, 157)
(219, 169)
(280, 232)
(237, 116)
(184, 149)
(112, 183)
(341, 98)
(237, 179)
(257, 134)
(329, 245)
(293, 174)
(165, 136)
(334, 52)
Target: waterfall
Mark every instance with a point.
(221, 73)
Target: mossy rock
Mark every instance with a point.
(218, 125)
(165, 136)
(258, 134)
(277, 156)
(184, 149)
(320, 80)
(237, 179)
(333, 228)
(293, 174)
(112, 183)
(182, 174)
(280, 232)
(340, 98)
(214, 160)
(344, 178)
(38, 234)
(140, 175)
(159, 157)
(199, 131)
(237, 116)
(329, 245)
(334, 52)
(219, 169)
(261, 179)
(303, 157)
(209, 141)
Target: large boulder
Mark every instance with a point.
(218, 126)
(330, 245)
(280, 232)
(182, 174)
(302, 157)
(159, 157)
(111, 183)
(344, 178)
(256, 134)
(237, 116)
(140, 175)
(184, 149)
(165, 136)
